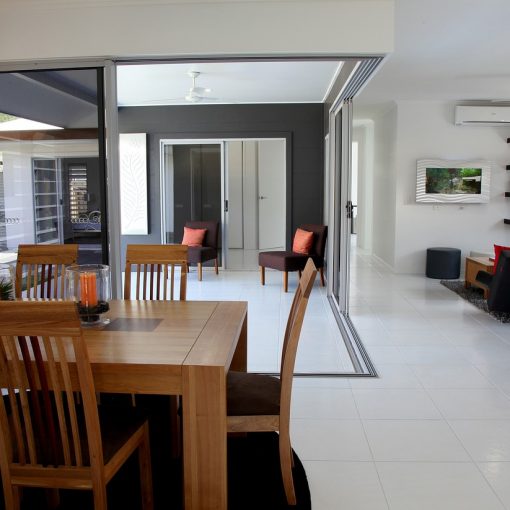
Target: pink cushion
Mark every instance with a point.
(497, 251)
(302, 241)
(193, 236)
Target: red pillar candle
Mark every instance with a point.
(92, 289)
(84, 295)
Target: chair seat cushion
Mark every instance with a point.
(117, 426)
(252, 394)
(198, 254)
(484, 278)
(283, 260)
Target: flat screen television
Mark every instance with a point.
(452, 181)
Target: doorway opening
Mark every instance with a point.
(256, 200)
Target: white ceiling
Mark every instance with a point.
(450, 50)
(446, 50)
(229, 82)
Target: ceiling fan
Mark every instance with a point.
(196, 94)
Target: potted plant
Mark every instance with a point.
(6, 284)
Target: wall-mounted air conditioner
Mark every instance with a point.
(482, 115)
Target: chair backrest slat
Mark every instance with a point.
(44, 266)
(41, 347)
(292, 333)
(155, 270)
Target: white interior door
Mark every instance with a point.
(271, 194)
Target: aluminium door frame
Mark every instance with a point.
(339, 209)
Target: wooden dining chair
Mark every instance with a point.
(261, 403)
(47, 439)
(44, 266)
(155, 265)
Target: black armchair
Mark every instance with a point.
(498, 284)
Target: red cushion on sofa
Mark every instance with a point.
(302, 241)
(497, 250)
(193, 236)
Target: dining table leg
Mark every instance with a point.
(204, 403)
(204, 438)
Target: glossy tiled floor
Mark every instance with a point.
(433, 431)
(321, 347)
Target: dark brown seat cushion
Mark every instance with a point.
(252, 394)
(283, 260)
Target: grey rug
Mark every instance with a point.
(475, 297)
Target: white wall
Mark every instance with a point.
(385, 185)
(39, 29)
(426, 130)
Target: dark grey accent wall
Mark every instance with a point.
(300, 124)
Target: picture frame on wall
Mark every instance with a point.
(455, 182)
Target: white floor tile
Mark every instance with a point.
(436, 486)
(326, 403)
(395, 404)
(498, 475)
(329, 440)
(485, 440)
(413, 440)
(450, 377)
(344, 485)
(432, 355)
(471, 404)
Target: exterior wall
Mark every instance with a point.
(45, 29)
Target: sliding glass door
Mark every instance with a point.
(52, 165)
(191, 186)
(341, 208)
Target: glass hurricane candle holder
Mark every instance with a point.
(90, 287)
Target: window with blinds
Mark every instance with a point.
(78, 202)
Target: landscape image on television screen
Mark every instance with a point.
(453, 181)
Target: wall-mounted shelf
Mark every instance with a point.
(507, 193)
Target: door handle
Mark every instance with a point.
(262, 198)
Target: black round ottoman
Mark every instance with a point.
(443, 263)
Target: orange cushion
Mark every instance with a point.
(497, 251)
(302, 241)
(193, 236)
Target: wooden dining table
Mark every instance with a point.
(178, 348)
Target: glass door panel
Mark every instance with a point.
(52, 170)
(192, 178)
